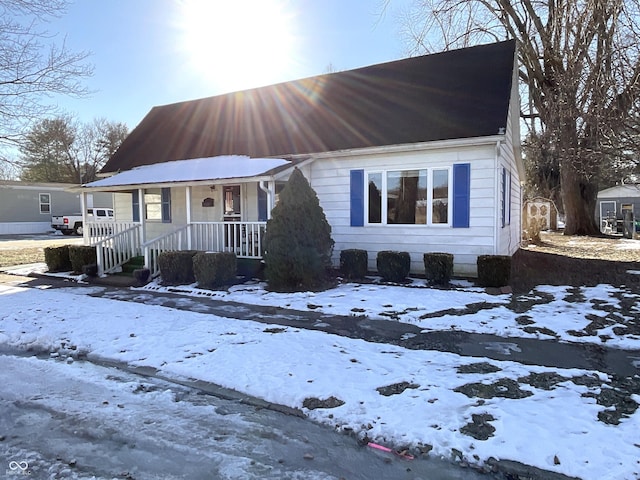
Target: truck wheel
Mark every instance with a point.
(78, 230)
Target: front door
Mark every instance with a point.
(232, 207)
(233, 215)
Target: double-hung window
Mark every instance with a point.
(409, 197)
(45, 203)
(157, 204)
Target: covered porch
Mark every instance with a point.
(218, 204)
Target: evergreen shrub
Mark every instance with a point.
(354, 263)
(81, 255)
(176, 267)
(297, 241)
(393, 266)
(57, 258)
(215, 269)
(494, 270)
(438, 268)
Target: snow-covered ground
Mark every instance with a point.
(562, 313)
(394, 396)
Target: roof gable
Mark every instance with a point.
(456, 94)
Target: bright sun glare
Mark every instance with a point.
(238, 44)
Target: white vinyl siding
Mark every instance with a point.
(330, 179)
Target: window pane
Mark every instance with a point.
(440, 201)
(375, 198)
(44, 208)
(44, 198)
(153, 211)
(406, 197)
(153, 204)
(232, 200)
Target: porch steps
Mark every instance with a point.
(121, 279)
(134, 263)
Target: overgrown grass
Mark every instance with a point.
(21, 256)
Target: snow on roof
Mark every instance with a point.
(627, 190)
(197, 169)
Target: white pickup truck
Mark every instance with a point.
(69, 224)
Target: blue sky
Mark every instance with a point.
(155, 52)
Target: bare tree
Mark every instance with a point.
(33, 67)
(62, 149)
(580, 72)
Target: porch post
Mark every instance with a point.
(83, 209)
(141, 215)
(188, 202)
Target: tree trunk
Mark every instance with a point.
(579, 195)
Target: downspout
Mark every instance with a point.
(496, 230)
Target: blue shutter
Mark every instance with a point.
(461, 194)
(509, 199)
(357, 198)
(135, 205)
(166, 205)
(262, 205)
(503, 209)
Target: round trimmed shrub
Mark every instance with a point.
(438, 268)
(354, 263)
(57, 258)
(393, 266)
(494, 270)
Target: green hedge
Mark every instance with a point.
(213, 270)
(176, 268)
(81, 255)
(57, 258)
(393, 266)
(354, 263)
(438, 268)
(494, 270)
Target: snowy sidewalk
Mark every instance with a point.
(577, 422)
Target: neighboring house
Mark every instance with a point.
(26, 208)
(613, 202)
(418, 155)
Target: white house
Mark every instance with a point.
(418, 155)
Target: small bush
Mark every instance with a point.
(494, 270)
(393, 266)
(81, 255)
(438, 268)
(213, 270)
(354, 263)
(57, 258)
(176, 268)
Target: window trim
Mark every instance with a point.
(384, 198)
(164, 204)
(41, 203)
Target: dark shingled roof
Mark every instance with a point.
(456, 94)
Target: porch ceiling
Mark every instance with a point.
(194, 170)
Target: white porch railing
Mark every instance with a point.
(98, 231)
(242, 238)
(115, 250)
